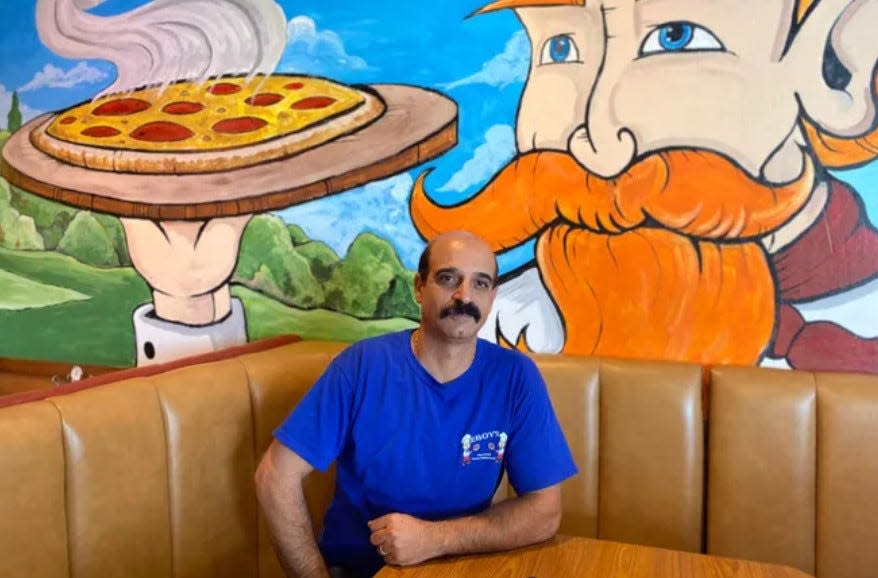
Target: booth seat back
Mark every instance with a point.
(150, 477)
(153, 476)
(636, 431)
(793, 470)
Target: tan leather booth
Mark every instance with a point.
(152, 475)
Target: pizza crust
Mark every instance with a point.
(176, 162)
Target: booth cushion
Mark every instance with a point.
(152, 475)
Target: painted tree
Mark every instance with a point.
(14, 117)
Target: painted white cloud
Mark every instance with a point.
(497, 150)
(506, 68)
(380, 207)
(53, 77)
(27, 112)
(314, 51)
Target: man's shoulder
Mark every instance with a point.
(371, 348)
(383, 341)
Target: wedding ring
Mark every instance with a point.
(381, 550)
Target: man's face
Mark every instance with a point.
(642, 76)
(459, 290)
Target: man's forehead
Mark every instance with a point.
(460, 253)
(465, 254)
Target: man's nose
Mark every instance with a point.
(463, 293)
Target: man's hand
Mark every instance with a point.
(520, 521)
(404, 539)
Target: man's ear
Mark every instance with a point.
(418, 284)
(833, 57)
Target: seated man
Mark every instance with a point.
(422, 425)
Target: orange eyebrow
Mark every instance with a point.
(502, 4)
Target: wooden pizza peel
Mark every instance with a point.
(418, 125)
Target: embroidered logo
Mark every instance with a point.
(489, 445)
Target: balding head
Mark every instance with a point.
(460, 236)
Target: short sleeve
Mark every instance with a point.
(538, 455)
(317, 429)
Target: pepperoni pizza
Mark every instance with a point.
(189, 128)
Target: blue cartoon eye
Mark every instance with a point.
(680, 37)
(560, 48)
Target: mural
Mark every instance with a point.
(671, 167)
(671, 179)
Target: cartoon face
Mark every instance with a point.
(611, 83)
(665, 146)
(466, 442)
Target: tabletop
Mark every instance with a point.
(588, 558)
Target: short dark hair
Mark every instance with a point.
(424, 264)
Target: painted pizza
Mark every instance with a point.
(188, 127)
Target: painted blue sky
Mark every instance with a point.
(481, 62)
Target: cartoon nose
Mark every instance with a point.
(604, 143)
(603, 148)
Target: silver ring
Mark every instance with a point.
(381, 550)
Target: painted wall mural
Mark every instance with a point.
(666, 179)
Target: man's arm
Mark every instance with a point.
(519, 521)
(279, 490)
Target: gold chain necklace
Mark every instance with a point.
(416, 341)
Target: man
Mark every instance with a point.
(671, 173)
(422, 425)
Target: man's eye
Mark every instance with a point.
(680, 37)
(445, 279)
(558, 49)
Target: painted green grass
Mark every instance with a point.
(99, 330)
(95, 331)
(267, 317)
(18, 293)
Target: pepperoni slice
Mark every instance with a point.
(100, 131)
(183, 107)
(221, 88)
(161, 131)
(121, 107)
(264, 99)
(312, 102)
(239, 125)
(68, 120)
(294, 85)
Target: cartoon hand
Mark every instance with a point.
(403, 540)
(188, 264)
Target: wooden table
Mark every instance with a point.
(587, 558)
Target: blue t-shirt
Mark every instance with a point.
(404, 442)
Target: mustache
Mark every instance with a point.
(460, 308)
(694, 192)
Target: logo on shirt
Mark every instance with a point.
(489, 445)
